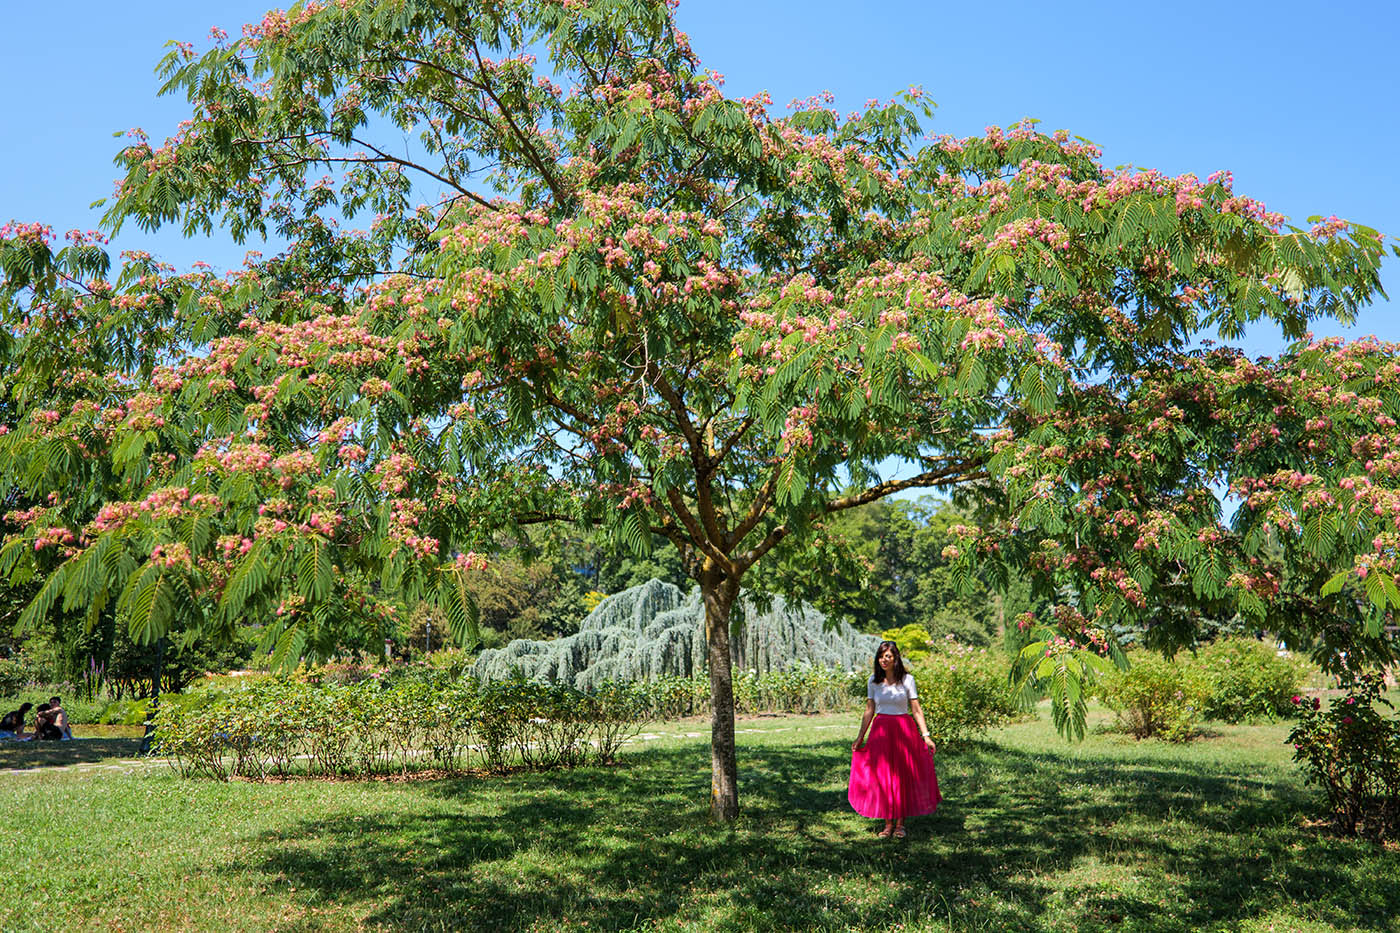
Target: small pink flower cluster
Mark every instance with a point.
(798, 427)
(85, 237)
(1119, 580)
(394, 472)
(176, 554)
(374, 387)
(336, 431)
(352, 453)
(1329, 228)
(422, 547)
(35, 233)
(296, 464)
(635, 492)
(50, 537)
(470, 561)
(231, 545)
(246, 458)
(166, 381)
(141, 411)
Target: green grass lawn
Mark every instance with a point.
(1034, 834)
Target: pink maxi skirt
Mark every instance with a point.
(892, 777)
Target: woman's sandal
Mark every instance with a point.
(899, 832)
(884, 833)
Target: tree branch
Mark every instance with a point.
(729, 445)
(757, 509)
(700, 460)
(948, 476)
(560, 194)
(352, 160)
(697, 535)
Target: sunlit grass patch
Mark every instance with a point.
(1035, 834)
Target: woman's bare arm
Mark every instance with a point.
(918, 712)
(865, 723)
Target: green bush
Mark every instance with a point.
(134, 712)
(964, 691)
(1157, 697)
(1352, 751)
(914, 641)
(1247, 679)
(678, 697)
(340, 672)
(18, 673)
(802, 688)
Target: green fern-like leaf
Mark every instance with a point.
(43, 601)
(458, 607)
(87, 573)
(248, 578)
(289, 648)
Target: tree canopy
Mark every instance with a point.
(630, 301)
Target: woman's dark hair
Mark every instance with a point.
(25, 707)
(898, 672)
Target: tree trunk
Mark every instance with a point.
(719, 594)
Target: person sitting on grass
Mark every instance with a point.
(59, 717)
(44, 729)
(12, 723)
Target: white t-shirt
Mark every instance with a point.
(892, 699)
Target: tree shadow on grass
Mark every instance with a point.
(35, 755)
(1023, 840)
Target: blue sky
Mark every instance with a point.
(1298, 99)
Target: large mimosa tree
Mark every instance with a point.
(631, 302)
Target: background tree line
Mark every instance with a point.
(891, 573)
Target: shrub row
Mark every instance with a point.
(800, 689)
(963, 691)
(281, 727)
(18, 673)
(349, 721)
(1230, 680)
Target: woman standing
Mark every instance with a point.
(892, 775)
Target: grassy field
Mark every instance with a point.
(1034, 834)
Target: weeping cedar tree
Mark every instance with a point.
(635, 303)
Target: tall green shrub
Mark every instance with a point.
(964, 691)
(18, 673)
(1248, 679)
(1157, 698)
(914, 641)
